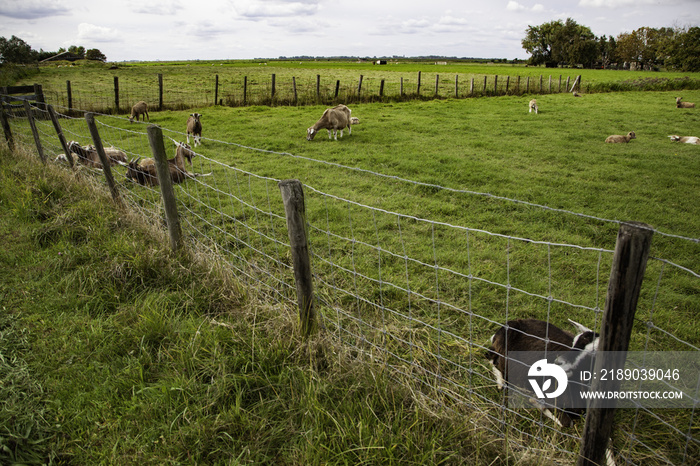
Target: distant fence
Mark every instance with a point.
(390, 285)
(114, 95)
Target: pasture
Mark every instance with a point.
(441, 167)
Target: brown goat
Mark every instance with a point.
(88, 155)
(680, 104)
(145, 173)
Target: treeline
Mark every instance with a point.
(566, 43)
(17, 51)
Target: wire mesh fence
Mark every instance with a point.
(421, 298)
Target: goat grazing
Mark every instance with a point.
(354, 121)
(88, 155)
(686, 139)
(333, 119)
(194, 127)
(533, 106)
(146, 174)
(680, 104)
(539, 337)
(619, 138)
(139, 109)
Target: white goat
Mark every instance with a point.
(333, 119)
(139, 108)
(680, 104)
(533, 106)
(354, 121)
(88, 155)
(539, 337)
(686, 139)
(194, 127)
(618, 138)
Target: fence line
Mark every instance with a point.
(390, 285)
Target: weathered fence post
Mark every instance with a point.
(39, 96)
(626, 275)
(160, 91)
(495, 85)
(155, 140)
(359, 87)
(216, 89)
(541, 80)
(106, 169)
(418, 88)
(471, 87)
(381, 88)
(245, 89)
(32, 124)
(517, 85)
(116, 94)
(294, 87)
(273, 86)
(456, 86)
(401, 87)
(550, 83)
(437, 85)
(507, 83)
(69, 93)
(485, 78)
(527, 85)
(295, 211)
(559, 84)
(576, 82)
(61, 137)
(318, 87)
(337, 88)
(568, 78)
(6, 129)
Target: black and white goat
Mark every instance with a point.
(538, 337)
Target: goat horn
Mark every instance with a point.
(581, 328)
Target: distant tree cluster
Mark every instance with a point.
(15, 50)
(559, 43)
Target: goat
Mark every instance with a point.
(194, 127)
(354, 121)
(333, 119)
(680, 104)
(146, 174)
(139, 109)
(538, 337)
(533, 106)
(618, 138)
(88, 155)
(686, 139)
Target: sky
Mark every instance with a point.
(126, 30)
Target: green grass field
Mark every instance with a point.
(485, 145)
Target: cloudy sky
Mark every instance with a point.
(235, 29)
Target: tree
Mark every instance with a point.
(15, 50)
(685, 52)
(95, 54)
(557, 42)
(607, 50)
(77, 51)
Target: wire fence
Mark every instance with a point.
(417, 296)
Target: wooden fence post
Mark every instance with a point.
(69, 93)
(216, 89)
(495, 85)
(471, 87)
(106, 169)
(160, 91)
(437, 84)
(32, 124)
(550, 83)
(294, 87)
(273, 86)
(318, 87)
(626, 275)
(507, 83)
(295, 212)
(245, 89)
(418, 88)
(359, 87)
(6, 129)
(337, 88)
(61, 137)
(485, 78)
(401, 87)
(155, 140)
(517, 85)
(39, 97)
(381, 88)
(456, 86)
(116, 93)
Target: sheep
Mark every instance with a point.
(88, 155)
(194, 127)
(533, 106)
(618, 138)
(680, 104)
(333, 119)
(139, 108)
(145, 172)
(354, 121)
(537, 336)
(686, 139)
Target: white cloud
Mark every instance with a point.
(515, 6)
(89, 32)
(622, 3)
(261, 9)
(33, 9)
(162, 8)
